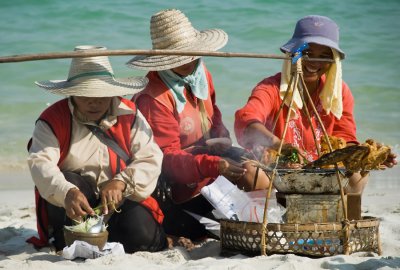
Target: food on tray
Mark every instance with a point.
(290, 157)
(376, 156)
(336, 143)
(353, 152)
(364, 157)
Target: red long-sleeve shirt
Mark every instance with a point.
(264, 103)
(179, 165)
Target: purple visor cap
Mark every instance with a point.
(315, 29)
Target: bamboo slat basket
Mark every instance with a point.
(312, 239)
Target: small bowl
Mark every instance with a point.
(95, 239)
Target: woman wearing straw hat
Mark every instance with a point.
(95, 148)
(179, 104)
(323, 79)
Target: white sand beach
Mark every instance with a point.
(17, 223)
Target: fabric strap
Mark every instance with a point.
(107, 140)
(88, 74)
(204, 120)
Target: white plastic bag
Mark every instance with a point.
(232, 203)
(254, 210)
(226, 198)
(81, 249)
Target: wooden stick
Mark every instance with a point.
(305, 107)
(274, 171)
(89, 53)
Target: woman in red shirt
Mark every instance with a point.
(180, 105)
(332, 98)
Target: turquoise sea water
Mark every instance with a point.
(370, 36)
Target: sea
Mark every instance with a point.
(369, 35)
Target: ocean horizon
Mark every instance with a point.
(369, 30)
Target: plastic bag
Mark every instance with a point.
(232, 203)
(80, 249)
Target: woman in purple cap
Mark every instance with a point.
(329, 93)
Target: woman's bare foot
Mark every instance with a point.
(176, 241)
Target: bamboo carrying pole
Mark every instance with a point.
(91, 53)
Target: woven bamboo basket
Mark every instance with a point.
(312, 239)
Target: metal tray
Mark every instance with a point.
(316, 181)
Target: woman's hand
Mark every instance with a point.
(76, 205)
(230, 169)
(111, 193)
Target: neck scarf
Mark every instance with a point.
(176, 84)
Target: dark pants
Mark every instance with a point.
(179, 223)
(134, 227)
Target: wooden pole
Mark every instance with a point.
(90, 53)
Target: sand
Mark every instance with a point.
(17, 223)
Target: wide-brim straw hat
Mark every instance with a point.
(171, 30)
(93, 77)
(315, 29)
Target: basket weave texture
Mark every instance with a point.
(313, 239)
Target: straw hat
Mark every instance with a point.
(171, 30)
(93, 77)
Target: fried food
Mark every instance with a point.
(364, 157)
(355, 153)
(290, 158)
(269, 156)
(353, 162)
(336, 143)
(367, 156)
(376, 157)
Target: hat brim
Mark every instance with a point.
(297, 42)
(95, 87)
(211, 40)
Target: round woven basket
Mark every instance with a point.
(95, 239)
(312, 239)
